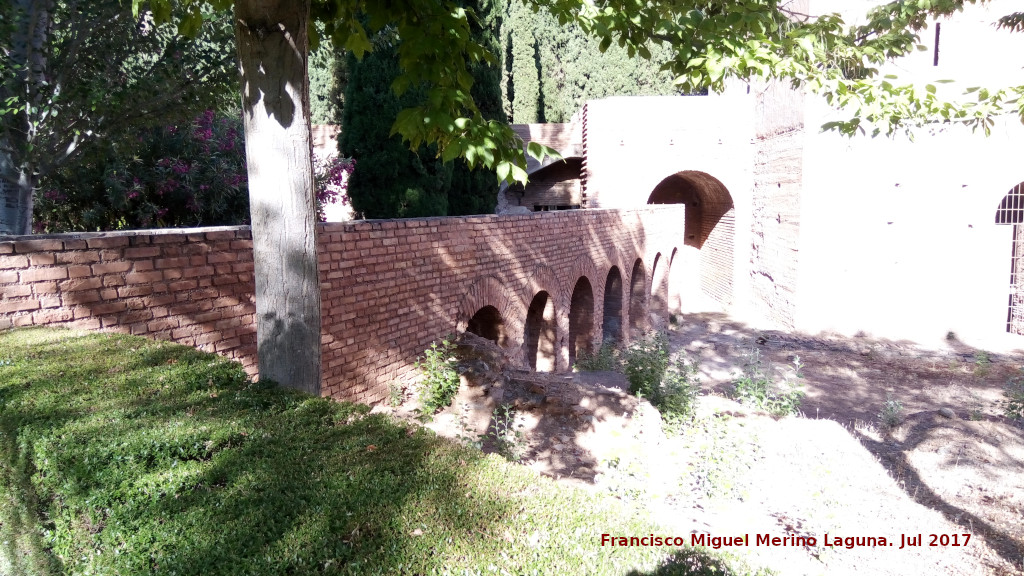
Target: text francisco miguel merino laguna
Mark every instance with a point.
(716, 542)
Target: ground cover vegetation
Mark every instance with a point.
(124, 455)
(670, 383)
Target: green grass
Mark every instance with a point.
(120, 455)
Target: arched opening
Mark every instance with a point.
(540, 333)
(709, 225)
(658, 309)
(1011, 211)
(581, 320)
(611, 325)
(637, 299)
(675, 284)
(488, 323)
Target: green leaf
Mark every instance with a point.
(503, 169)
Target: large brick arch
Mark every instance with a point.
(709, 226)
(490, 291)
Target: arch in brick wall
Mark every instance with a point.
(709, 226)
(615, 259)
(658, 303)
(582, 267)
(540, 333)
(673, 284)
(581, 320)
(489, 291)
(611, 323)
(637, 299)
(488, 323)
(543, 279)
(707, 201)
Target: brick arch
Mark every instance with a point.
(658, 301)
(542, 280)
(709, 226)
(636, 312)
(487, 291)
(707, 201)
(614, 258)
(582, 267)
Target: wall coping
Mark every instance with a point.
(357, 225)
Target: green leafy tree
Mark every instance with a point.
(571, 68)
(392, 181)
(76, 73)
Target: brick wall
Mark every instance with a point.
(389, 288)
(190, 286)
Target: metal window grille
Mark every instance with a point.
(1011, 211)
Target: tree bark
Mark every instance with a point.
(17, 175)
(16, 188)
(273, 49)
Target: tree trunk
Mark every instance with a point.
(16, 188)
(31, 29)
(273, 50)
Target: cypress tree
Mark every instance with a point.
(390, 181)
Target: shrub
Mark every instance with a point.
(677, 399)
(891, 415)
(441, 381)
(606, 359)
(646, 362)
(330, 181)
(179, 175)
(754, 387)
(1014, 393)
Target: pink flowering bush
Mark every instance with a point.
(330, 180)
(191, 174)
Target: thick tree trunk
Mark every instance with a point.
(273, 50)
(16, 187)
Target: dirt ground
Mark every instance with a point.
(833, 470)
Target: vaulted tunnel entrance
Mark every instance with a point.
(540, 333)
(488, 323)
(709, 226)
(581, 320)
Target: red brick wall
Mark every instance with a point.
(190, 286)
(389, 288)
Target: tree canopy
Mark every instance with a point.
(74, 73)
(710, 42)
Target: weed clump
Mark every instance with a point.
(606, 359)
(755, 387)
(891, 415)
(646, 362)
(1014, 392)
(441, 380)
(671, 387)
